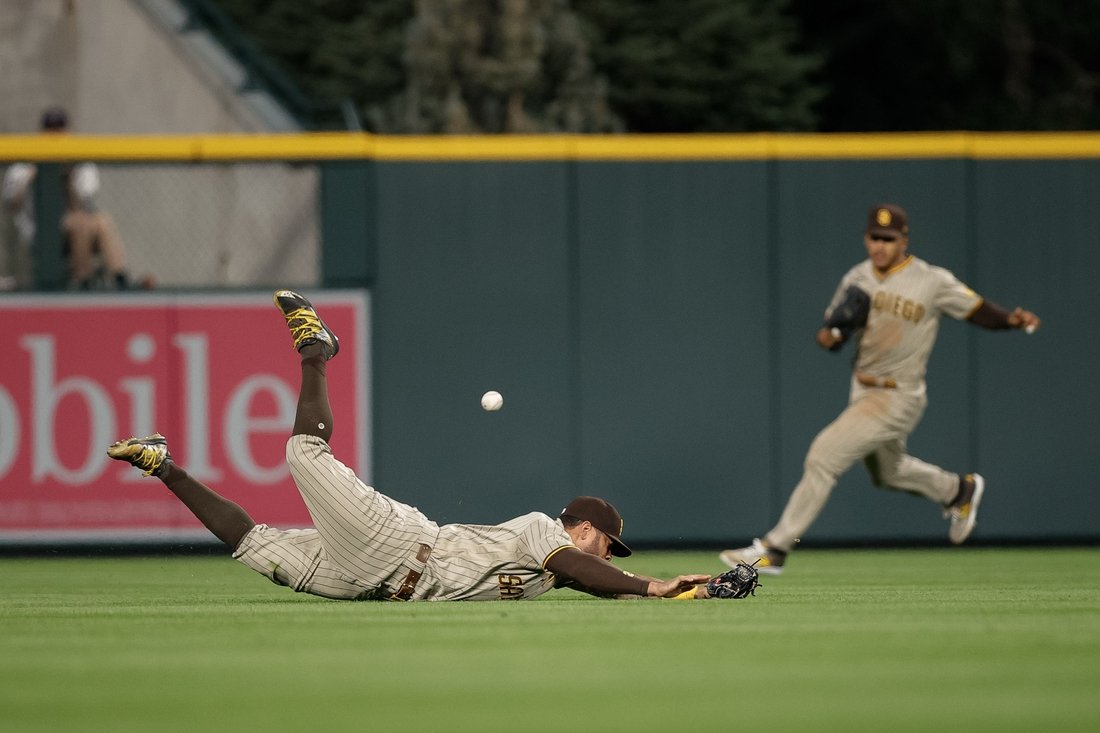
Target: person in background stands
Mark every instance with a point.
(87, 231)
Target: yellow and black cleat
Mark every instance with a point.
(150, 454)
(304, 324)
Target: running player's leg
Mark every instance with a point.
(226, 520)
(891, 467)
(858, 430)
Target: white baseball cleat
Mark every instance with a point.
(766, 560)
(965, 516)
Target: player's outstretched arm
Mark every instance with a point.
(992, 316)
(597, 576)
(679, 585)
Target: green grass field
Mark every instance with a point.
(963, 639)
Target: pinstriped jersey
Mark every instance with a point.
(488, 562)
(906, 305)
(365, 544)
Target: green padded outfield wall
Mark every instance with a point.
(650, 321)
(647, 304)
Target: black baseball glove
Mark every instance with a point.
(850, 315)
(739, 582)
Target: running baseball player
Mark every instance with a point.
(890, 306)
(367, 546)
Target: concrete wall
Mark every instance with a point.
(118, 66)
(123, 67)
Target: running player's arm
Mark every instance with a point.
(995, 318)
(596, 576)
(959, 301)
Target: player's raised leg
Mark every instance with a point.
(226, 520)
(346, 512)
(317, 344)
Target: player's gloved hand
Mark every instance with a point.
(849, 316)
(740, 582)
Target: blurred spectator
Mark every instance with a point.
(16, 227)
(92, 246)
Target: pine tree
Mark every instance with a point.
(703, 65)
(498, 66)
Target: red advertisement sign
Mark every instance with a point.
(216, 374)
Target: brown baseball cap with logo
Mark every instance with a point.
(888, 220)
(603, 517)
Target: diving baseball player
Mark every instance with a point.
(890, 305)
(367, 546)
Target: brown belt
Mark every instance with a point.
(869, 380)
(408, 585)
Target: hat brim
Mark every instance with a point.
(618, 547)
(884, 232)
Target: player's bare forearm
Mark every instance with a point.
(991, 316)
(593, 574)
(684, 595)
(681, 587)
(677, 586)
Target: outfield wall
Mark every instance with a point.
(647, 307)
(651, 327)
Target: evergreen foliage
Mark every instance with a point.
(488, 66)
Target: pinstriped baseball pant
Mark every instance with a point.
(295, 558)
(876, 423)
(362, 537)
(365, 533)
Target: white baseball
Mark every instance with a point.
(492, 401)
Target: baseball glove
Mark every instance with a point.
(850, 314)
(739, 582)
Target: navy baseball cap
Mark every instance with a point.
(603, 517)
(889, 220)
(55, 118)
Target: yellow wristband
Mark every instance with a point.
(685, 596)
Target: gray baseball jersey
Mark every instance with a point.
(894, 346)
(365, 543)
(906, 305)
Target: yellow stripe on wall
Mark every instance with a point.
(351, 146)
